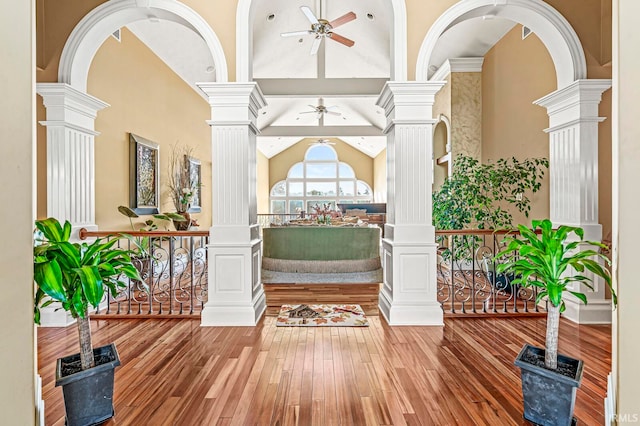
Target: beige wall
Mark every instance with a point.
(263, 188)
(280, 164)
(17, 150)
(380, 177)
(515, 73)
(626, 204)
(149, 100)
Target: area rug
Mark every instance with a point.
(321, 316)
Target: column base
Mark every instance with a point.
(54, 316)
(235, 294)
(596, 312)
(228, 316)
(401, 314)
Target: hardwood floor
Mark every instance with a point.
(175, 372)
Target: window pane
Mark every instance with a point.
(363, 188)
(295, 206)
(279, 189)
(321, 170)
(320, 152)
(296, 171)
(311, 204)
(296, 189)
(346, 171)
(278, 207)
(324, 189)
(346, 187)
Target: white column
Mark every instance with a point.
(573, 167)
(408, 295)
(71, 195)
(236, 295)
(70, 126)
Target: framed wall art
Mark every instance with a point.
(195, 174)
(144, 175)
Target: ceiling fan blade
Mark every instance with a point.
(309, 14)
(332, 108)
(347, 17)
(316, 45)
(346, 41)
(295, 33)
(307, 112)
(312, 107)
(333, 112)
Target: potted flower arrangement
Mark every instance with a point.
(77, 275)
(543, 260)
(182, 185)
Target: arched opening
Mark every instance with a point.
(552, 28)
(87, 37)
(441, 152)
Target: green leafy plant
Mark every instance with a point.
(76, 275)
(544, 261)
(141, 246)
(476, 195)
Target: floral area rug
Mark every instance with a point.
(322, 315)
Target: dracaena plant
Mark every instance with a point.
(77, 275)
(547, 261)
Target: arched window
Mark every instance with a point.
(321, 178)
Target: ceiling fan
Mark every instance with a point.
(322, 28)
(320, 110)
(322, 142)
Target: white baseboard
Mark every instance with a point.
(54, 316)
(39, 402)
(609, 403)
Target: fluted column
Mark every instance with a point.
(71, 193)
(70, 126)
(573, 169)
(236, 295)
(408, 295)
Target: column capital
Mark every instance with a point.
(409, 100)
(233, 103)
(69, 107)
(579, 100)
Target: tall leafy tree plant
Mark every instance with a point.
(76, 275)
(477, 195)
(544, 260)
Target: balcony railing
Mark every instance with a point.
(173, 266)
(466, 278)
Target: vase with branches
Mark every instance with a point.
(182, 185)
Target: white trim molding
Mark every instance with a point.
(89, 34)
(550, 26)
(244, 38)
(457, 65)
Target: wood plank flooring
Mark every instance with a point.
(175, 372)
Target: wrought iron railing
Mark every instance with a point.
(466, 275)
(173, 266)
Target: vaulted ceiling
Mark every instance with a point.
(344, 80)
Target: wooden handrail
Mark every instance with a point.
(480, 231)
(84, 233)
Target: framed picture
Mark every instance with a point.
(144, 175)
(195, 173)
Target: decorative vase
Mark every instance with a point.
(183, 225)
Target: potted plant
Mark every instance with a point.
(77, 275)
(544, 260)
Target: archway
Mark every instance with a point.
(550, 26)
(87, 37)
(244, 38)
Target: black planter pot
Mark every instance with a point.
(88, 394)
(549, 397)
